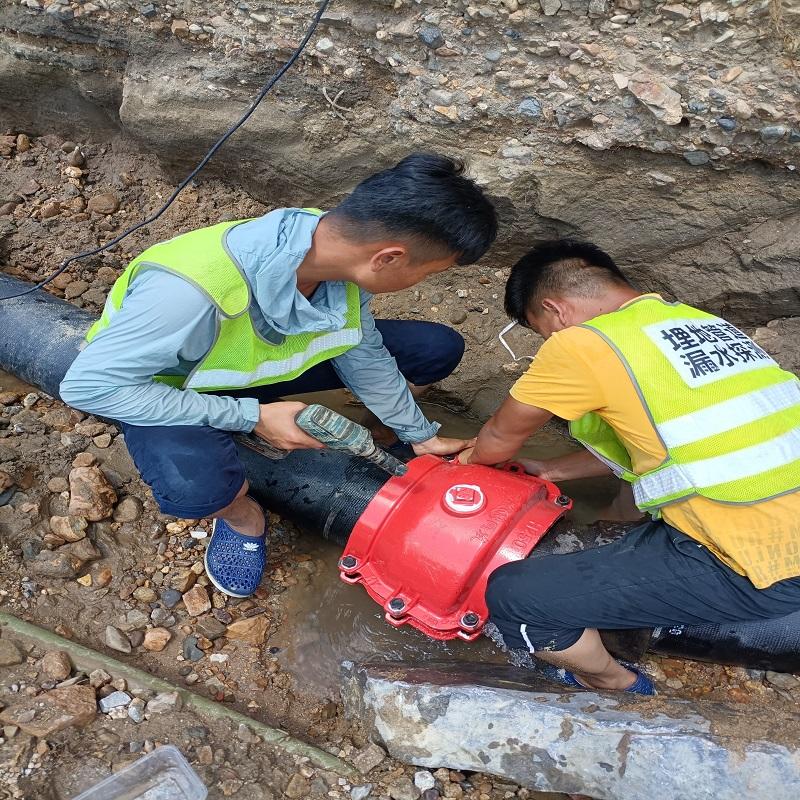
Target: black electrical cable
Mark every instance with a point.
(265, 90)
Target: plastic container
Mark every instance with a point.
(163, 774)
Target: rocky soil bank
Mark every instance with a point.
(667, 132)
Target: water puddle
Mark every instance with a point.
(329, 621)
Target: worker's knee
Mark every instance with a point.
(194, 471)
(426, 352)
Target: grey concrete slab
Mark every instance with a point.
(502, 721)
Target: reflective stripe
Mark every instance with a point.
(523, 629)
(734, 466)
(204, 378)
(730, 414)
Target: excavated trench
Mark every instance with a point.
(138, 106)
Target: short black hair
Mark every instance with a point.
(426, 197)
(558, 266)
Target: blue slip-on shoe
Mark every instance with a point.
(642, 684)
(235, 562)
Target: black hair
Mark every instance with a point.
(425, 198)
(559, 266)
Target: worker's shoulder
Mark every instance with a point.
(576, 341)
(158, 288)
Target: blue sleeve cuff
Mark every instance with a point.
(420, 435)
(251, 410)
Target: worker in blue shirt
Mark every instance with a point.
(203, 334)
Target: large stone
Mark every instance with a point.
(59, 564)
(70, 529)
(56, 665)
(73, 706)
(197, 601)
(117, 640)
(251, 629)
(164, 703)
(10, 654)
(662, 102)
(505, 722)
(129, 509)
(91, 495)
(156, 639)
(104, 203)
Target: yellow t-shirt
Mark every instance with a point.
(576, 371)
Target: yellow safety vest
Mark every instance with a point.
(239, 357)
(727, 415)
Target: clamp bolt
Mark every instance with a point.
(470, 620)
(396, 606)
(348, 562)
(562, 500)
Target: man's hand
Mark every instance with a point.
(440, 446)
(465, 455)
(277, 426)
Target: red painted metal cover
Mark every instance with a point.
(425, 546)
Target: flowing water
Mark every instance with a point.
(330, 621)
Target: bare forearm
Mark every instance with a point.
(581, 464)
(494, 447)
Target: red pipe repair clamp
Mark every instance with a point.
(427, 542)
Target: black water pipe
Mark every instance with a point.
(325, 492)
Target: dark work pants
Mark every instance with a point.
(653, 576)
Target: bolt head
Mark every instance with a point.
(562, 500)
(470, 619)
(396, 605)
(348, 562)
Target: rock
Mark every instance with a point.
(433, 794)
(424, 780)
(197, 601)
(10, 654)
(297, 787)
(83, 550)
(103, 577)
(117, 640)
(83, 460)
(404, 789)
(431, 36)
(58, 484)
(136, 638)
(156, 639)
(662, 102)
(104, 203)
(23, 143)
(56, 665)
(325, 45)
(369, 757)
(210, 628)
(136, 710)
(42, 716)
(191, 652)
(70, 529)
(550, 7)
(530, 107)
(129, 509)
(180, 28)
(183, 580)
(75, 158)
(91, 495)
(114, 700)
(727, 124)
(162, 618)
(697, 157)
(361, 792)
(170, 598)
(133, 620)
(676, 11)
(457, 317)
(144, 594)
(103, 440)
(771, 134)
(59, 564)
(99, 678)
(250, 629)
(6, 481)
(163, 703)
(52, 208)
(783, 680)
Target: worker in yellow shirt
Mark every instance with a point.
(701, 423)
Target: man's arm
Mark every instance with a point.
(371, 373)
(504, 434)
(164, 323)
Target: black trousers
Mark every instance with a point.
(653, 576)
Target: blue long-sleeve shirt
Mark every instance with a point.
(166, 326)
